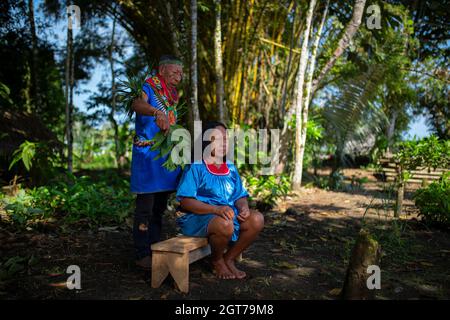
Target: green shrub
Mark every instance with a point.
(21, 208)
(434, 201)
(72, 200)
(334, 181)
(267, 189)
(429, 152)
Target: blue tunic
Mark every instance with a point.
(148, 175)
(215, 189)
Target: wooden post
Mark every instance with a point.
(400, 192)
(366, 252)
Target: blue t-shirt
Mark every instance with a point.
(147, 174)
(215, 189)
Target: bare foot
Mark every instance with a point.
(221, 270)
(239, 274)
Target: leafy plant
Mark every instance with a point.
(26, 153)
(425, 153)
(429, 152)
(357, 183)
(434, 201)
(5, 100)
(74, 199)
(267, 189)
(21, 208)
(41, 159)
(11, 267)
(335, 181)
(314, 142)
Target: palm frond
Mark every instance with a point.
(129, 89)
(353, 115)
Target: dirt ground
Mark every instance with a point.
(301, 254)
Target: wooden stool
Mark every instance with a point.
(174, 256)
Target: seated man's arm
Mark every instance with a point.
(199, 207)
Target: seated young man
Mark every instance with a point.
(215, 204)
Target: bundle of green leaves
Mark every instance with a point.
(130, 89)
(165, 145)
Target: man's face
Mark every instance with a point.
(172, 74)
(219, 141)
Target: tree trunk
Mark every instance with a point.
(285, 142)
(344, 41)
(288, 67)
(297, 178)
(312, 64)
(173, 29)
(391, 129)
(69, 99)
(365, 253)
(194, 68)
(113, 97)
(34, 60)
(219, 63)
(286, 132)
(306, 101)
(72, 85)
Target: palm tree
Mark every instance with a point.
(353, 115)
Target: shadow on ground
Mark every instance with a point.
(300, 255)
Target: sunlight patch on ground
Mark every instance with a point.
(301, 271)
(253, 263)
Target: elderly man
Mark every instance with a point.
(155, 111)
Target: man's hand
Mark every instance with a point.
(243, 214)
(162, 121)
(141, 106)
(225, 212)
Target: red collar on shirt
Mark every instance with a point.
(223, 170)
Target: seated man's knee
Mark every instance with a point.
(222, 226)
(257, 220)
